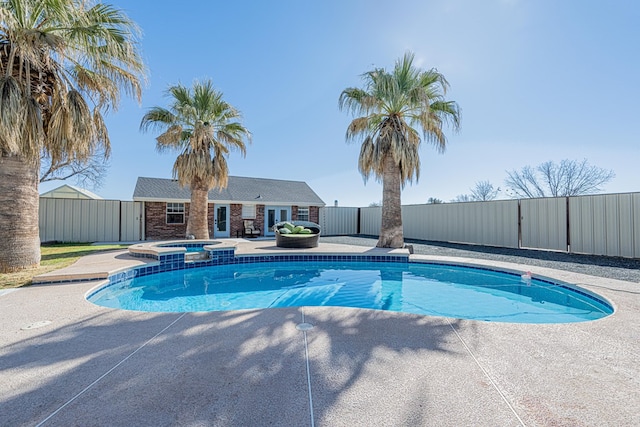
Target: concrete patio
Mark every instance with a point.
(93, 366)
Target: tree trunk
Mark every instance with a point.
(391, 228)
(19, 209)
(198, 224)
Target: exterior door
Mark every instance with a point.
(274, 215)
(221, 221)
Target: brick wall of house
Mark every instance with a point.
(236, 223)
(156, 227)
(314, 214)
(259, 221)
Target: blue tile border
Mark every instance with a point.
(176, 261)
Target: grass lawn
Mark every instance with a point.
(53, 257)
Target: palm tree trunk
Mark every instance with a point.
(19, 209)
(391, 228)
(198, 224)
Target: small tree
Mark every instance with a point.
(484, 191)
(568, 178)
(389, 112)
(204, 128)
(434, 201)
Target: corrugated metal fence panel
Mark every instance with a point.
(339, 221)
(607, 224)
(75, 220)
(484, 223)
(415, 222)
(581, 225)
(627, 233)
(130, 221)
(370, 220)
(502, 216)
(636, 225)
(544, 223)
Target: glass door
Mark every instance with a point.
(221, 221)
(274, 215)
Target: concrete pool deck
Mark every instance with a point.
(96, 366)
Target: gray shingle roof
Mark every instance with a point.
(240, 190)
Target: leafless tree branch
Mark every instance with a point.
(568, 178)
(88, 173)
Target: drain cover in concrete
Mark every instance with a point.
(304, 326)
(36, 325)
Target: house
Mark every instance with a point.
(70, 192)
(263, 201)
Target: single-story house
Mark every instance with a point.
(263, 201)
(67, 191)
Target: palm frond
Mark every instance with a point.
(203, 126)
(102, 135)
(33, 133)
(388, 107)
(70, 58)
(170, 139)
(11, 114)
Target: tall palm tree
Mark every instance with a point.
(204, 128)
(387, 110)
(63, 64)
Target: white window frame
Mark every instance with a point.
(248, 211)
(174, 208)
(308, 212)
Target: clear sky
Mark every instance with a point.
(536, 80)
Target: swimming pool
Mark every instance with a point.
(427, 289)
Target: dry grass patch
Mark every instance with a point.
(54, 257)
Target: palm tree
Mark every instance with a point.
(204, 128)
(386, 110)
(63, 64)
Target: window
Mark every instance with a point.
(248, 211)
(175, 213)
(303, 214)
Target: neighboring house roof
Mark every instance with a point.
(239, 190)
(67, 191)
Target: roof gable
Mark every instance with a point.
(67, 191)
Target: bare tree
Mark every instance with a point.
(484, 191)
(375, 204)
(568, 178)
(461, 198)
(434, 201)
(87, 173)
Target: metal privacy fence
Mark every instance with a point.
(77, 220)
(607, 224)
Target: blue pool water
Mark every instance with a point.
(427, 289)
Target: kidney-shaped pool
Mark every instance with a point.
(428, 289)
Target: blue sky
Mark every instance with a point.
(536, 81)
